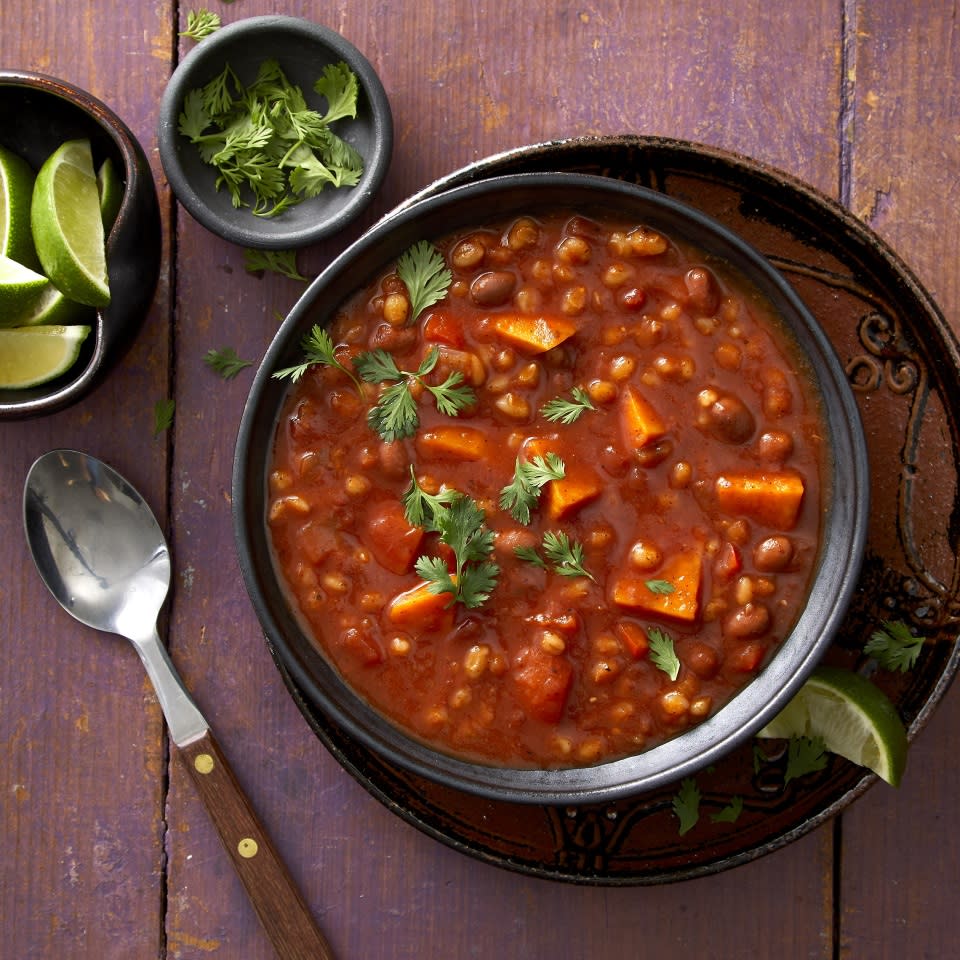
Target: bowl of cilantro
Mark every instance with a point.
(275, 132)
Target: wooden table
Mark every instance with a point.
(105, 851)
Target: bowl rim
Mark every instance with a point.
(375, 165)
(838, 565)
(108, 340)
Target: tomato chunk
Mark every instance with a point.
(542, 683)
(440, 327)
(393, 540)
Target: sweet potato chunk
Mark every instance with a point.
(641, 423)
(770, 498)
(392, 539)
(420, 608)
(542, 683)
(452, 443)
(534, 333)
(682, 571)
(565, 497)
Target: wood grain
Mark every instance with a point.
(105, 849)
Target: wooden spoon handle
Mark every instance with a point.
(279, 904)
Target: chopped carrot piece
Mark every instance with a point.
(421, 607)
(770, 498)
(683, 571)
(728, 561)
(564, 497)
(634, 638)
(533, 447)
(452, 443)
(393, 540)
(533, 333)
(542, 684)
(441, 327)
(641, 423)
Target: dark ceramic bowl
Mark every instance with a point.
(37, 114)
(302, 49)
(844, 522)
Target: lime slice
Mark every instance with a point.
(854, 718)
(34, 355)
(110, 190)
(16, 189)
(50, 307)
(19, 288)
(68, 226)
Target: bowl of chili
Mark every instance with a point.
(550, 489)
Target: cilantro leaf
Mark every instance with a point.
(804, 755)
(319, 348)
(567, 411)
(459, 521)
(225, 362)
(660, 586)
(338, 83)
(425, 274)
(730, 813)
(163, 411)
(662, 653)
(394, 416)
(529, 477)
(565, 555)
(200, 24)
(686, 805)
(283, 262)
(530, 555)
(894, 647)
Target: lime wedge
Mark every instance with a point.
(50, 307)
(68, 226)
(110, 190)
(16, 190)
(33, 355)
(854, 718)
(19, 288)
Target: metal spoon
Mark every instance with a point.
(102, 554)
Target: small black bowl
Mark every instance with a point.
(302, 49)
(843, 525)
(37, 114)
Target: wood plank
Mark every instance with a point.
(899, 849)
(691, 69)
(82, 748)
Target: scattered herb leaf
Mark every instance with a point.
(894, 647)
(565, 555)
(283, 262)
(395, 415)
(520, 496)
(163, 416)
(425, 274)
(200, 24)
(730, 813)
(662, 654)
(459, 521)
(660, 586)
(804, 755)
(318, 347)
(225, 362)
(686, 805)
(530, 555)
(271, 150)
(567, 411)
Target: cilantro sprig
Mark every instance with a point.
(318, 348)
(894, 647)
(395, 415)
(804, 755)
(567, 411)
(563, 555)
(686, 805)
(270, 149)
(520, 496)
(283, 262)
(459, 522)
(200, 24)
(662, 654)
(426, 276)
(226, 362)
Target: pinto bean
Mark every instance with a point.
(773, 554)
(750, 620)
(493, 288)
(729, 419)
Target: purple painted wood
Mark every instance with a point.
(105, 850)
